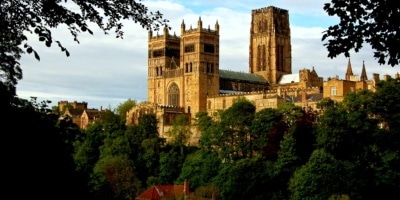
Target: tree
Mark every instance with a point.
(246, 178)
(36, 150)
(199, 168)
(234, 138)
(320, 178)
(125, 107)
(19, 17)
(373, 22)
(267, 129)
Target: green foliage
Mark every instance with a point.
(115, 173)
(199, 168)
(320, 178)
(243, 179)
(234, 138)
(180, 131)
(124, 107)
(373, 22)
(267, 129)
(170, 163)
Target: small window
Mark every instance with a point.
(209, 48)
(189, 48)
(333, 91)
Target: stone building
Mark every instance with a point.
(184, 75)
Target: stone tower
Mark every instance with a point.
(183, 71)
(270, 45)
(163, 60)
(200, 61)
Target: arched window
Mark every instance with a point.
(173, 95)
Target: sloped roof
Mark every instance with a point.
(93, 113)
(162, 192)
(74, 112)
(226, 74)
(289, 78)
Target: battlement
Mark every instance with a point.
(163, 36)
(204, 30)
(275, 10)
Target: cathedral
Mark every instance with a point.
(184, 75)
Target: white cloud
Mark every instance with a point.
(105, 71)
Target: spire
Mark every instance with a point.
(349, 71)
(363, 73)
(200, 24)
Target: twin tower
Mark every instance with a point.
(184, 71)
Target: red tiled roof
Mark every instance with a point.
(162, 192)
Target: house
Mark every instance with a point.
(89, 116)
(75, 114)
(159, 192)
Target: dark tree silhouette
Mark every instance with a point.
(375, 22)
(19, 17)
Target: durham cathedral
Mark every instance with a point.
(184, 75)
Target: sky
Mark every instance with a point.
(106, 71)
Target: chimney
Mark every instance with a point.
(186, 188)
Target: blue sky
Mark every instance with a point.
(105, 71)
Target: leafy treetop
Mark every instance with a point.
(375, 22)
(19, 17)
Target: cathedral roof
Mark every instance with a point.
(232, 75)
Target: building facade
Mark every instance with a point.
(184, 75)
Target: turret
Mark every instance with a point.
(182, 27)
(199, 24)
(217, 27)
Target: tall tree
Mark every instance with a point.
(375, 22)
(19, 17)
(267, 129)
(235, 140)
(320, 178)
(124, 107)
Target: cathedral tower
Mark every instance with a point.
(163, 59)
(200, 61)
(183, 71)
(270, 45)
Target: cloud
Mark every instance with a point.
(105, 71)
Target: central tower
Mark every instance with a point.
(270, 45)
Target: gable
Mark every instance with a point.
(162, 192)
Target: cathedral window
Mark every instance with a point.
(189, 48)
(190, 67)
(209, 48)
(158, 53)
(223, 103)
(173, 95)
(186, 68)
(263, 58)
